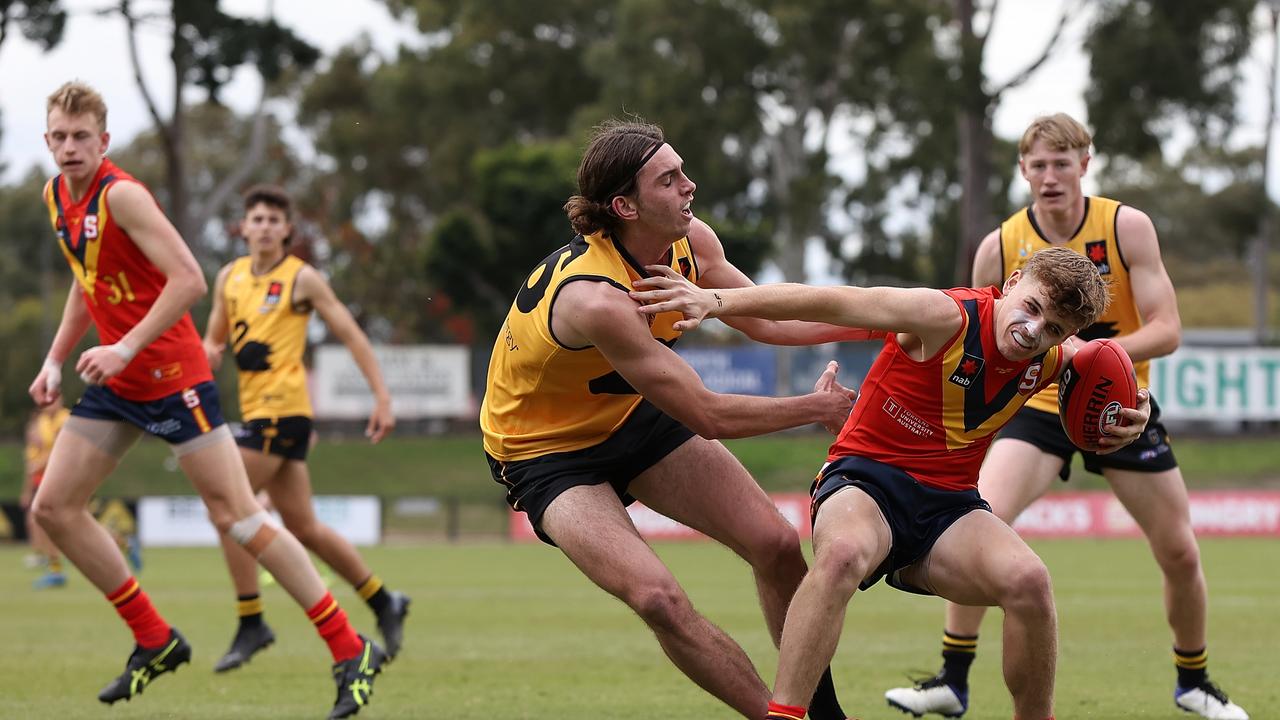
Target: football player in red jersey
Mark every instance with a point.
(1033, 450)
(135, 279)
(897, 495)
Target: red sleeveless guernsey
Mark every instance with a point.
(119, 285)
(935, 419)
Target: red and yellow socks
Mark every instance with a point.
(134, 607)
(331, 622)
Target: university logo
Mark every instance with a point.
(1096, 251)
(966, 371)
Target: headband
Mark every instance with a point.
(632, 175)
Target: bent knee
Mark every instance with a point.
(662, 607)
(1181, 559)
(1026, 587)
(775, 546)
(306, 532)
(48, 515)
(842, 565)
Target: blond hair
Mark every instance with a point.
(1074, 287)
(77, 98)
(1060, 133)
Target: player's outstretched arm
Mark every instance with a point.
(919, 311)
(137, 213)
(218, 329)
(597, 314)
(715, 271)
(312, 287)
(47, 386)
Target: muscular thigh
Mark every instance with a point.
(78, 463)
(701, 484)
(591, 527)
(261, 467)
(290, 490)
(971, 559)
(1015, 474)
(1157, 501)
(217, 473)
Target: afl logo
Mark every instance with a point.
(1109, 417)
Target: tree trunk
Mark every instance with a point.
(973, 125)
(976, 218)
(175, 164)
(787, 152)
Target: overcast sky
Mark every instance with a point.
(95, 50)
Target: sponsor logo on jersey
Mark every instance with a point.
(1096, 251)
(966, 371)
(274, 290)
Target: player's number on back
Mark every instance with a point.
(120, 288)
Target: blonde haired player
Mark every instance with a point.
(135, 280)
(1033, 450)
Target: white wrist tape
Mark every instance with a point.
(52, 375)
(124, 352)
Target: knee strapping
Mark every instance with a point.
(254, 532)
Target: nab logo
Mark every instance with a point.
(1096, 251)
(966, 371)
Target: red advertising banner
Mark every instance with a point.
(1058, 515)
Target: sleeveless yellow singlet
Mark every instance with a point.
(268, 336)
(1020, 238)
(544, 397)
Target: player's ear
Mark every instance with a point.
(1011, 282)
(623, 207)
(106, 141)
(1085, 157)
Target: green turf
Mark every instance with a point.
(454, 466)
(513, 631)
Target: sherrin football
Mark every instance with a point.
(1097, 382)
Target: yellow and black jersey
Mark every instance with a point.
(543, 396)
(1021, 237)
(268, 336)
(46, 429)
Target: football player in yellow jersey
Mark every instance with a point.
(41, 430)
(1033, 449)
(587, 408)
(262, 303)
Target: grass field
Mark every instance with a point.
(454, 466)
(514, 632)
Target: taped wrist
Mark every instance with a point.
(254, 532)
(125, 352)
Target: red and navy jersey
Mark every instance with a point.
(935, 418)
(119, 285)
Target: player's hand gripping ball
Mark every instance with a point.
(1097, 382)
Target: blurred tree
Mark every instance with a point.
(207, 46)
(211, 129)
(40, 21)
(1154, 65)
(480, 254)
